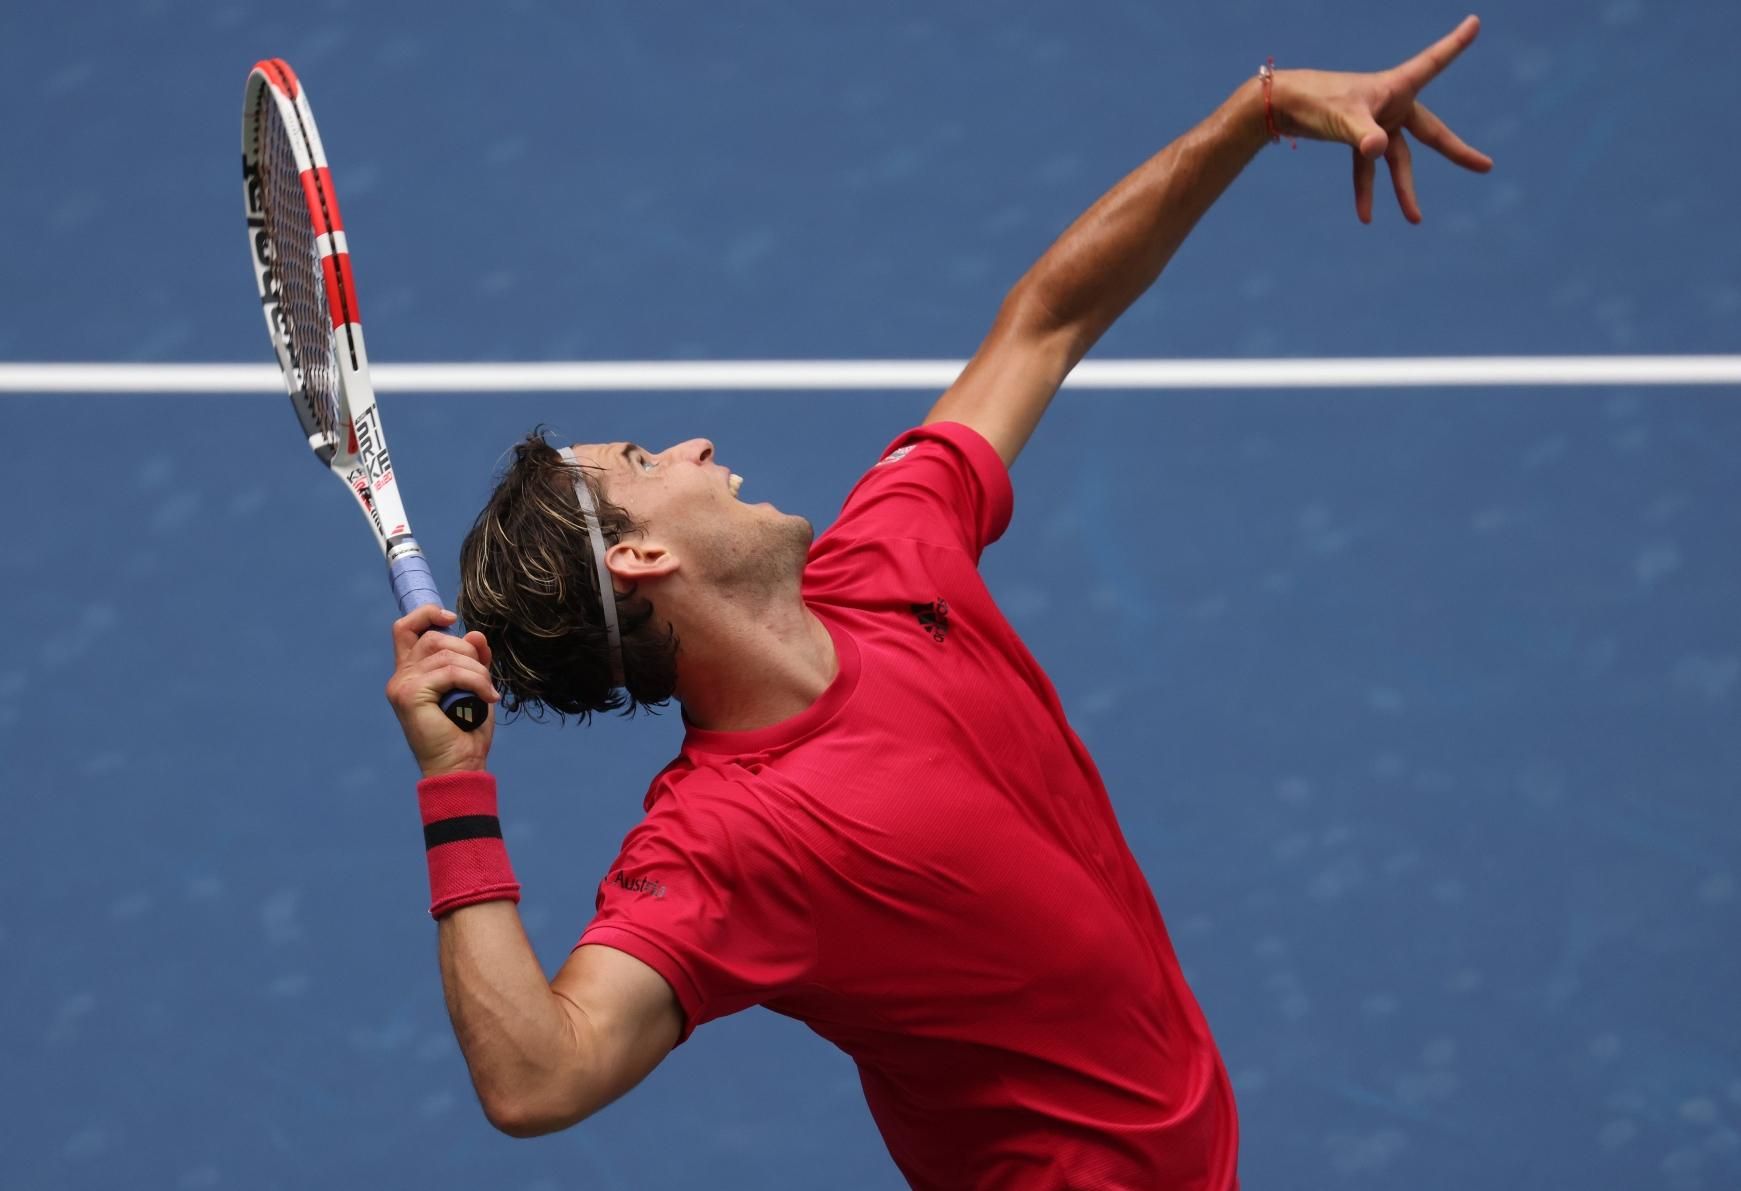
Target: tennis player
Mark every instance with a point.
(880, 822)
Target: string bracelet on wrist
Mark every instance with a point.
(1267, 73)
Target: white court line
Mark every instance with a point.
(868, 375)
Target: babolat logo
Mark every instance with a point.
(933, 618)
(637, 884)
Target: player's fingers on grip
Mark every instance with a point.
(426, 677)
(430, 672)
(461, 674)
(430, 644)
(408, 629)
(426, 680)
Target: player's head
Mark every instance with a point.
(679, 547)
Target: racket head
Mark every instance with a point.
(302, 268)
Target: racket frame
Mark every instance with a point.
(354, 446)
(356, 451)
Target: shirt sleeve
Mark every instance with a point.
(942, 483)
(706, 893)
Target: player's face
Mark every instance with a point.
(689, 503)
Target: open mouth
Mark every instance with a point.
(735, 482)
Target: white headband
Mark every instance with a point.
(607, 592)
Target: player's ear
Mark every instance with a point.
(639, 559)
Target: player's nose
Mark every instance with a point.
(695, 450)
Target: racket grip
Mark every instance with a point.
(413, 587)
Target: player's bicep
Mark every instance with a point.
(626, 1019)
(1006, 387)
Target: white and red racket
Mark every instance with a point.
(303, 266)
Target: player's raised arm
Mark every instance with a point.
(1117, 248)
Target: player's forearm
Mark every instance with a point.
(523, 1048)
(1117, 248)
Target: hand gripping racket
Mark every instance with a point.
(303, 267)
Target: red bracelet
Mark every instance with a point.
(1267, 72)
(468, 863)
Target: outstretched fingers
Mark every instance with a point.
(1402, 177)
(1364, 169)
(1433, 133)
(1426, 66)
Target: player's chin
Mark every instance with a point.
(787, 528)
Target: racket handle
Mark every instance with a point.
(413, 587)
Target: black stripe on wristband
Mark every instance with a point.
(448, 831)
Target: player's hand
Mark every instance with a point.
(1371, 112)
(429, 664)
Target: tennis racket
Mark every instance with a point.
(302, 264)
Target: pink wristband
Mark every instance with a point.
(468, 863)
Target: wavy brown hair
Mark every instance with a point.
(528, 582)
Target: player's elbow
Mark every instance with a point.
(520, 1124)
(516, 1118)
(1046, 325)
(521, 1115)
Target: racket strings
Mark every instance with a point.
(297, 271)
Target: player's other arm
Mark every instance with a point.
(542, 1054)
(1100, 265)
(1116, 249)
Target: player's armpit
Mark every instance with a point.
(1012, 378)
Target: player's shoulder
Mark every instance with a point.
(936, 456)
(941, 482)
(949, 442)
(694, 784)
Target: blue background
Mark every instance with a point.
(1419, 708)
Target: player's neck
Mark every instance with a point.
(740, 670)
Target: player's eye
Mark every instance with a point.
(647, 463)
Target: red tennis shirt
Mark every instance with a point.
(924, 868)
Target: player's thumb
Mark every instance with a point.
(1368, 138)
